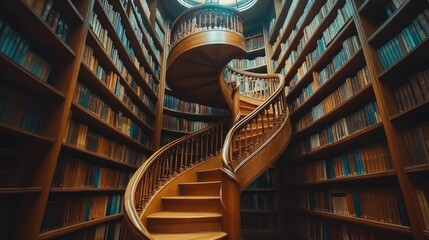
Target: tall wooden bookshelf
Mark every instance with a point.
(255, 60)
(79, 98)
(357, 89)
(182, 117)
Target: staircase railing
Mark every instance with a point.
(206, 17)
(161, 167)
(252, 132)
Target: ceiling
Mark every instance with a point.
(255, 15)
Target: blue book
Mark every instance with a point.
(402, 211)
(5, 37)
(359, 163)
(97, 175)
(345, 165)
(87, 209)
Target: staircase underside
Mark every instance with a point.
(195, 65)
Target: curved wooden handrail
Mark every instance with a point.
(206, 17)
(162, 166)
(250, 134)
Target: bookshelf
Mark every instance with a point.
(367, 138)
(79, 106)
(255, 59)
(260, 207)
(181, 117)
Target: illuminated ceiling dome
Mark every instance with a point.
(240, 5)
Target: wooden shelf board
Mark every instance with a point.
(90, 80)
(285, 9)
(271, 212)
(375, 132)
(371, 176)
(347, 107)
(425, 233)
(81, 189)
(258, 69)
(129, 29)
(28, 136)
(398, 21)
(410, 116)
(175, 131)
(332, 49)
(20, 190)
(200, 116)
(350, 68)
(93, 122)
(417, 168)
(256, 50)
(366, 222)
(16, 74)
(259, 190)
(96, 158)
(147, 24)
(125, 58)
(318, 32)
(69, 229)
(51, 46)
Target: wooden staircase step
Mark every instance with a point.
(184, 222)
(210, 175)
(192, 204)
(211, 188)
(191, 236)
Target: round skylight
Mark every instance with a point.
(240, 5)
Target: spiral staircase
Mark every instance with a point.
(190, 188)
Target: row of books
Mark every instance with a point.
(167, 138)
(116, 19)
(267, 179)
(417, 144)
(110, 231)
(254, 42)
(80, 136)
(423, 198)
(107, 43)
(310, 227)
(18, 49)
(350, 47)
(182, 124)
(248, 63)
(114, 117)
(408, 39)
(13, 167)
(370, 159)
(298, 24)
(383, 204)
(295, 53)
(343, 16)
(46, 9)
(351, 86)
(76, 173)
(311, 28)
(133, 5)
(19, 109)
(347, 126)
(112, 81)
(174, 103)
(159, 32)
(258, 201)
(261, 222)
(413, 92)
(392, 6)
(63, 211)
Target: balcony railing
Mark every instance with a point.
(207, 17)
